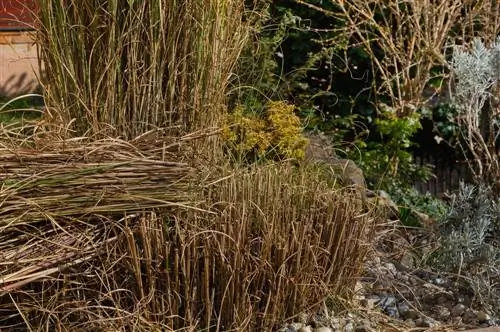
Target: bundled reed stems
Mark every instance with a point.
(107, 177)
(122, 68)
(143, 232)
(282, 241)
(264, 244)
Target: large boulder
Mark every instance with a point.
(320, 149)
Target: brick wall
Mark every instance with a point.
(17, 14)
(18, 63)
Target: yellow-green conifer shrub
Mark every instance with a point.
(276, 134)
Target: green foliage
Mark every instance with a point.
(386, 159)
(274, 134)
(444, 117)
(471, 242)
(20, 108)
(299, 55)
(410, 200)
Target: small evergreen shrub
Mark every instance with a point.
(410, 200)
(276, 134)
(471, 242)
(476, 96)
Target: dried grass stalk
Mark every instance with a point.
(266, 243)
(122, 68)
(281, 241)
(108, 177)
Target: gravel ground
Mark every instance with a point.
(397, 294)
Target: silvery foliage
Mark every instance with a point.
(476, 72)
(471, 242)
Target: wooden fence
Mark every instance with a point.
(448, 173)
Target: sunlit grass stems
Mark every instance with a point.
(264, 244)
(124, 67)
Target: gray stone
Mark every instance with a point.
(408, 313)
(424, 322)
(386, 302)
(442, 312)
(320, 149)
(458, 309)
(323, 329)
(349, 327)
(305, 329)
(482, 316)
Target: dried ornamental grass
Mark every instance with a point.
(103, 178)
(282, 241)
(112, 234)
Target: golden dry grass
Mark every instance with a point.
(127, 239)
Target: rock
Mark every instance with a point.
(387, 301)
(439, 281)
(363, 326)
(469, 316)
(349, 327)
(482, 316)
(320, 149)
(458, 310)
(442, 312)
(410, 322)
(391, 268)
(392, 312)
(424, 322)
(323, 329)
(465, 300)
(406, 312)
(384, 201)
(307, 328)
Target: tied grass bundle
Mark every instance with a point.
(108, 177)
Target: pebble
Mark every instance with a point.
(424, 322)
(482, 316)
(391, 268)
(458, 309)
(386, 302)
(323, 329)
(442, 312)
(349, 327)
(439, 281)
(307, 328)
